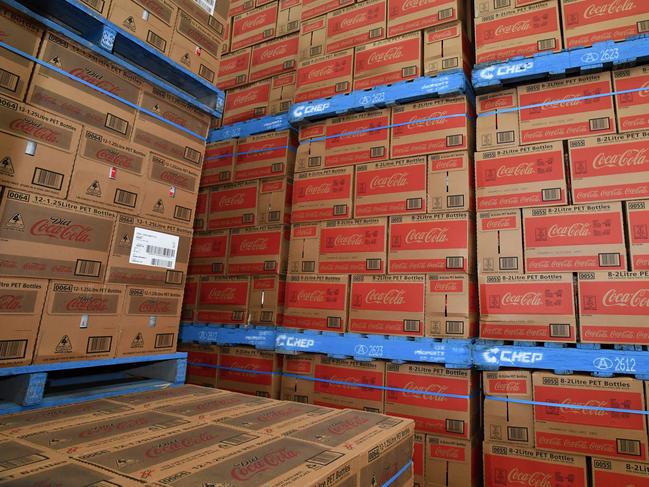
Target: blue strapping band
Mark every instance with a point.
(567, 406)
(396, 475)
(100, 90)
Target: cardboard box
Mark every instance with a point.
(508, 466)
(296, 372)
(532, 175)
(214, 408)
(324, 76)
(164, 397)
(316, 302)
(574, 238)
(434, 413)
(282, 92)
(418, 462)
(21, 304)
(500, 241)
(254, 26)
(274, 57)
(516, 32)
(80, 321)
(586, 22)
(195, 47)
(190, 300)
(451, 309)
(215, 22)
(21, 33)
(495, 129)
(148, 253)
(240, 6)
(615, 435)
(508, 422)
(313, 8)
(246, 102)
(323, 195)
(438, 242)
(38, 148)
(631, 108)
(452, 462)
(275, 195)
(387, 305)
(406, 16)
(223, 299)
(266, 303)
(352, 139)
(485, 7)
(637, 224)
(607, 472)
(265, 155)
(446, 118)
(450, 182)
(49, 238)
(396, 187)
(258, 250)
(202, 360)
(609, 168)
(200, 214)
(568, 114)
(233, 205)
(24, 454)
(218, 166)
(246, 358)
(447, 47)
(234, 69)
(100, 6)
(288, 17)
(150, 21)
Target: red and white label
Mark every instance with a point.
(387, 62)
(514, 471)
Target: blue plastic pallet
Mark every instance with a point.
(262, 337)
(250, 127)
(89, 29)
(603, 55)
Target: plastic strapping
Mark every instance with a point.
(396, 475)
(100, 90)
(567, 406)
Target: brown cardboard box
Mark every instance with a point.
(218, 165)
(149, 253)
(274, 197)
(258, 250)
(323, 195)
(295, 388)
(451, 309)
(24, 454)
(418, 462)
(387, 305)
(500, 241)
(37, 149)
(615, 435)
(564, 117)
(395, 187)
(233, 205)
(240, 6)
(21, 33)
(313, 8)
(100, 6)
(202, 359)
(637, 224)
(508, 422)
(607, 472)
(190, 299)
(266, 303)
(609, 168)
(166, 396)
(437, 242)
(234, 69)
(446, 118)
(447, 47)
(246, 102)
(288, 17)
(21, 304)
(209, 253)
(80, 321)
(388, 61)
(215, 22)
(485, 7)
(316, 302)
(264, 384)
(149, 20)
(265, 155)
(195, 47)
(223, 299)
(452, 462)
(405, 16)
(49, 238)
(631, 108)
(450, 182)
(529, 307)
(274, 57)
(342, 141)
(200, 214)
(214, 408)
(574, 238)
(324, 76)
(254, 26)
(532, 175)
(282, 92)
(515, 32)
(493, 128)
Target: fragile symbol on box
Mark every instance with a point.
(153, 248)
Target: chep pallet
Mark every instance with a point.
(56, 384)
(271, 123)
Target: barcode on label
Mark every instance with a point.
(314, 161)
(551, 194)
(340, 210)
(125, 198)
(455, 426)
(412, 326)
(249, 4)
(284, 105)
(117, 124)
(408, 71)
(517, 433)
(505, 137)
(192, 155)
(308, 266)
(414, 203)
(628, 447)
(508, 263)
(293, 25)
(270, 265)
(164, 340)
(277, 167)
(288, 64)
(99, 344)
(559, 330)
(237, 315)
(262, 394)
(273, 216)
(643, 26)
(315, 50)
(160, 251)
(447, 13)
(259, 111)
(266, 316)
(87, 268)
(301, 398)
(217, 267)
(206, 73)
(268, 33)
(378, 32)
(224, 176)
(599, 123)
(333, 321)
(248, 218)
(455, 327)
(450, 63)
(455, 262)
(12, 349)
(17, 462)
(325, 457)
(241, 78)
(455, 201)
(48, 179)
(609, 260)
(373, 264)
(546, 44)
(377, 151)
(156, 41)
(502, 3)
(239, 439)
(454, 140)
(182, 213)
(168, 264)
(342, 86)
(8, 81)
(174, 277)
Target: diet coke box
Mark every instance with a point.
(388, 61)
(233, 205)
(343, 141)
(613, 307)
(609, 167)
(586, 22)
(612, 434)
(447, 47)
(556, 110)
(250, 101)
(439, 125)
(608, 472)
(200, 214)
(496, 129)
(274, 57)
(574, 238)
(323, 195)
(637, 224)
(523, 31)
(209, 253)
(234, 69)
(528, 307)
(324, 76)
(223, 299)
(316, 302)
(484, 7)
(450, 182)
(451, 309)
(264, 155)
(253, 27)
(500, 241)
(314, 8)
(632, 106)
(218, 163)
(453, 462)
(532, 175)
(266, 303)
(408, 15)
(274, 201)
(438, 242)
(258, 250)
(509, 466)
(387, 305)
(396, 187)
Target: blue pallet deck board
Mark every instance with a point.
(271, 123)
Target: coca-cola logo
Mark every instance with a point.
(644, 93)
(430, 120)
(223, 294)
(275, 52)
(506, 387)
(353, 20)
(417, 4)
(313, 190)
(435, 389)
(174, 178)
(636, 299)
(316, 296)
(11, 302)
(522, 169)
(430, 236)
(353, 240)
(96, 79)
(526, 299)
(57, 229)
(615, 7)
(253, 244)
(153, 306)
(587, 411)
(565, 102)
(255, 466)
(114, 158)
(389, 297)
(394, 180)
(34, 129)
(173, 447)
(253, 22)
(244, 98)
(235, 199)
(515, 28)
(322, 72)
(388, 56)
(628, 158)
(530, 479)
(497, 223)
(340, 427)
(83, 304)
(579, 229)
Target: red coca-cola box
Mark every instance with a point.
(447, 47)
(288, 18)
(190, 299)
(253, 27)
(274, 201)
(451, 309)
(209, 253)
(234, 69)
(223, 299)
(609, 472)
(324, 76)
(323, 195)
(631, 107)
(494, 128)
(387, 305)
(531, 175)
(612, 434)
(246, 102)
(438, 242)
(207, 355)
(637, 224)
(218, 164)
(240, 6)
(409, 16)
(297, 372)
(450, 182)
(313, 8)
(274, 57)
(200, 214)
(500, 241)
(418, 461)
(282, 92)
(233, 363)
(316, 302)
(266, 304)
(528, 307)
(388, 61)
(258, 250)
(574, 238)
(452, 462)
(265, 155)
(396, 187)
(233, 205)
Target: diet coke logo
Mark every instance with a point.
(612, 8)
(636, 299)
(114, 158)
(432, 236)
(353, 240)
(527, 299)
(34, 129)
(311, 296)
(172, 447)
(253, 23)
(102, 429)
(58, 231)
(11, 302)
(253, 244)
(515, 28)
(522, 169)
(174, 178)
(341, 427)
(390, 297)
(83, 304)
(394, 180)
(573, 230)
(628, 158)
(153, 306)
(388, 56)
(255, 466)
(227, 201)
(323, 72)
(530, 479)
(353, 20)
(417, 5)
(314, 190)
(275, 52)
(224, 294)
(96, 79)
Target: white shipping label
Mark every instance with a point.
(154, 248)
